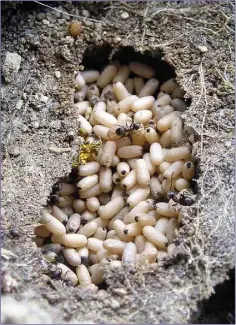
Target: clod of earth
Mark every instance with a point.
(11, 66)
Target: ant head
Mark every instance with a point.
(136, 126)
(56, 187)
(56, 274)
(53, 200)
(171, 195)
(69, 138)
(120, 131)
(188, 201)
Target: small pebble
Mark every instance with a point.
(202, 49)
(11, 66)
(40, 16)
(56, 124)
(58, 74)
(19, 104)
(124, 15)
(85, 13)
(45, 22)
(115, 304)
(36, 124)
(43, 99)
(14, 151)
(61, 21)
(117, 40)
(228, 144)
(120, 291)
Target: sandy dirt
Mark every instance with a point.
(197, 40)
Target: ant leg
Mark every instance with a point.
(183, 192)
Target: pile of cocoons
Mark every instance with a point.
(115, 209)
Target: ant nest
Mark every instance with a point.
(121, 204)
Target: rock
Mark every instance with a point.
(40, 16)
(88, 23)
(117, 40)
(85, 13)
(228, 144)
(124, 15)
(69, 40)
(9, 284)
(11, 66)
(58, 74)
(120, 291)
(115, 304)
(19, 104)
(202, 49)
(35, 124)
(14, 150)
(25, 312)
(61, 21)
(44, 99)
(45, 22)
(56, 124)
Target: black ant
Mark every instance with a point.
(53, 200)
(56, 187)
(56, 274)
(69, 138)
(52, 271)
(124, 131)
(182, 200)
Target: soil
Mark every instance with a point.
(197, 40)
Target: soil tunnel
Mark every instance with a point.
(71, 197)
